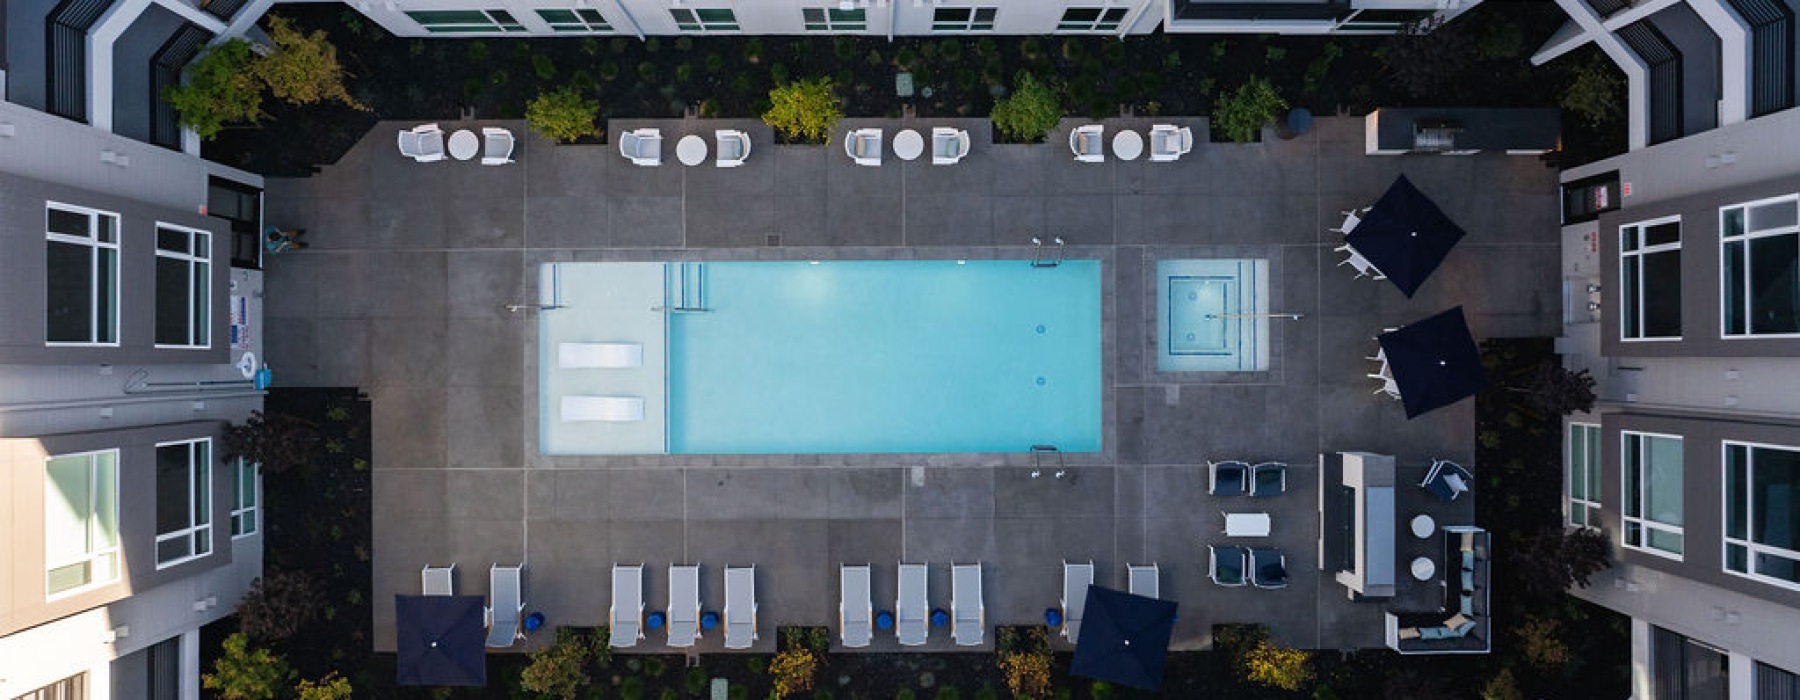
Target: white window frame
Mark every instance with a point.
(1591, 504)
(93, 555)
(705, 26)
(1746, 238)
(241, 511)
(1645, 524)
(196, 522)
(827, 23)
(970, 23)
(494, 23)
(196, 263)
(1642, 250)
(580, 25)
(95, 245)
(1099, 23)
(1751, 546)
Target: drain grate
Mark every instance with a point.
(774, 240)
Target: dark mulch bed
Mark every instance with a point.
(1160, 74)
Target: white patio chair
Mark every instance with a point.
(627, 612)
(864, 146)
(1168, 143)
(438, 580)
(684, 605)
(498, 146)
(733, 147)
(506, 599)
(1350, 222)
(948, 146)
(1088, 143)
(856, 611)
(740, 607)
(1076, 579)
(1363, 267)
(642, 146)
(423, 143)
(912, 608)
(968, 616)
(1145, 580)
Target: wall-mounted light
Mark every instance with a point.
(8, 129)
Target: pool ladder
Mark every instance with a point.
(690, 289)
(1037, 252)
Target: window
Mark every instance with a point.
(1761, 513)
(834, 20)
(183, 287)
(577, 20)
(244, 497)
(183, 501)
(712, 19)
(71, 688)
(1653, 493)
(81, 521)
(962, 19)
(465, 21)
(1759, 248)
(1650, 280)
(1095, 19)
(1584, 474)
(82, 272)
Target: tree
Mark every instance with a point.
(563, 115)
(1502, 687)
(1025, 661)
(1555, 560)
(217, 89)
(278, 605)
(1554, 390)
(244, 673)
(804, 111)
(303, 68)
(331, 687)
(278, 442)
(559, 670)
(1031, 111)
(1241, 115)
(1594, 93)
(795, 666)
(1278, 666)
(1541, 638)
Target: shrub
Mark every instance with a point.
(804, 110)
(632, 689)
(559, 670)
(1100, 690)
(685, 43)
(1502, 687)
(904, 694)
(217, 89)
(1025, 661)
(714, 62)
(278, 441)
(1241, 115)
(609, 71)
(331, 687)
(793, 670)
(278, 605)
(654, 667)
(563, 115)
(669, 694)
(647, 71)
(1426, 56)
(1594, 93)
(778, 73)
(696, 681)
(949, 692)
(738, 692)
(1030, 112)
(244, 673)
(1554, 390)
(543, 67)
(1277, 666)
(1541, 639)
(303, 69)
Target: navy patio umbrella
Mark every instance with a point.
(440, 640)
(1435, 362)
(1124, 638)
(1405, 236)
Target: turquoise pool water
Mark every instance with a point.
(896, 356)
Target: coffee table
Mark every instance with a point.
(1247, 524)
(463, 144)
(1423, 568)
(1128, 145)
(908, 144)
(691, 150)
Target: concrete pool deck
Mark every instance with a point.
(403, 294)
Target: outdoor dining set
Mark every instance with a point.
(644, 147)
(426, 143)
(1168, 143)
(1232, 565)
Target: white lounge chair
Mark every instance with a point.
(1168, 143)
(684, 605)
(642, 147)
(499, 146)
(627, 613)
(856, 612)
(506, 599)
(438, 580)
(733, 147)
(1076, 579)
(1145, 580)
(423, 143)
(1088, 143)
(948, 146)
(605, 409)
(740, 607)
(599, 355)
(912, 608)
(968, 616)
(864, 146)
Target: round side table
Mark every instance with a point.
(463, 144)
(1128, 145)
(690, 150)
(1423, 526)
(1424, 568)
(908, 144)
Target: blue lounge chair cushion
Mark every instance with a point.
(1439, 632)
(1468, 580)
(1468, 605)
(1463, 628)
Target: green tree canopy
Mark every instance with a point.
(303, 69)
(804, 110)
(563, 115)
(220, 88)
(1241, 116)
(245, 673)
(1030, 112)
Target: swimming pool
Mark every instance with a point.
(831, 356)
(1212, 316)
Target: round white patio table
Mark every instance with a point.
(1423, 526)
(908, 144)
(463, 144)
(1423, 568)
(690, 150)
(1128, 145)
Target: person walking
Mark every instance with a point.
(279, 241)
